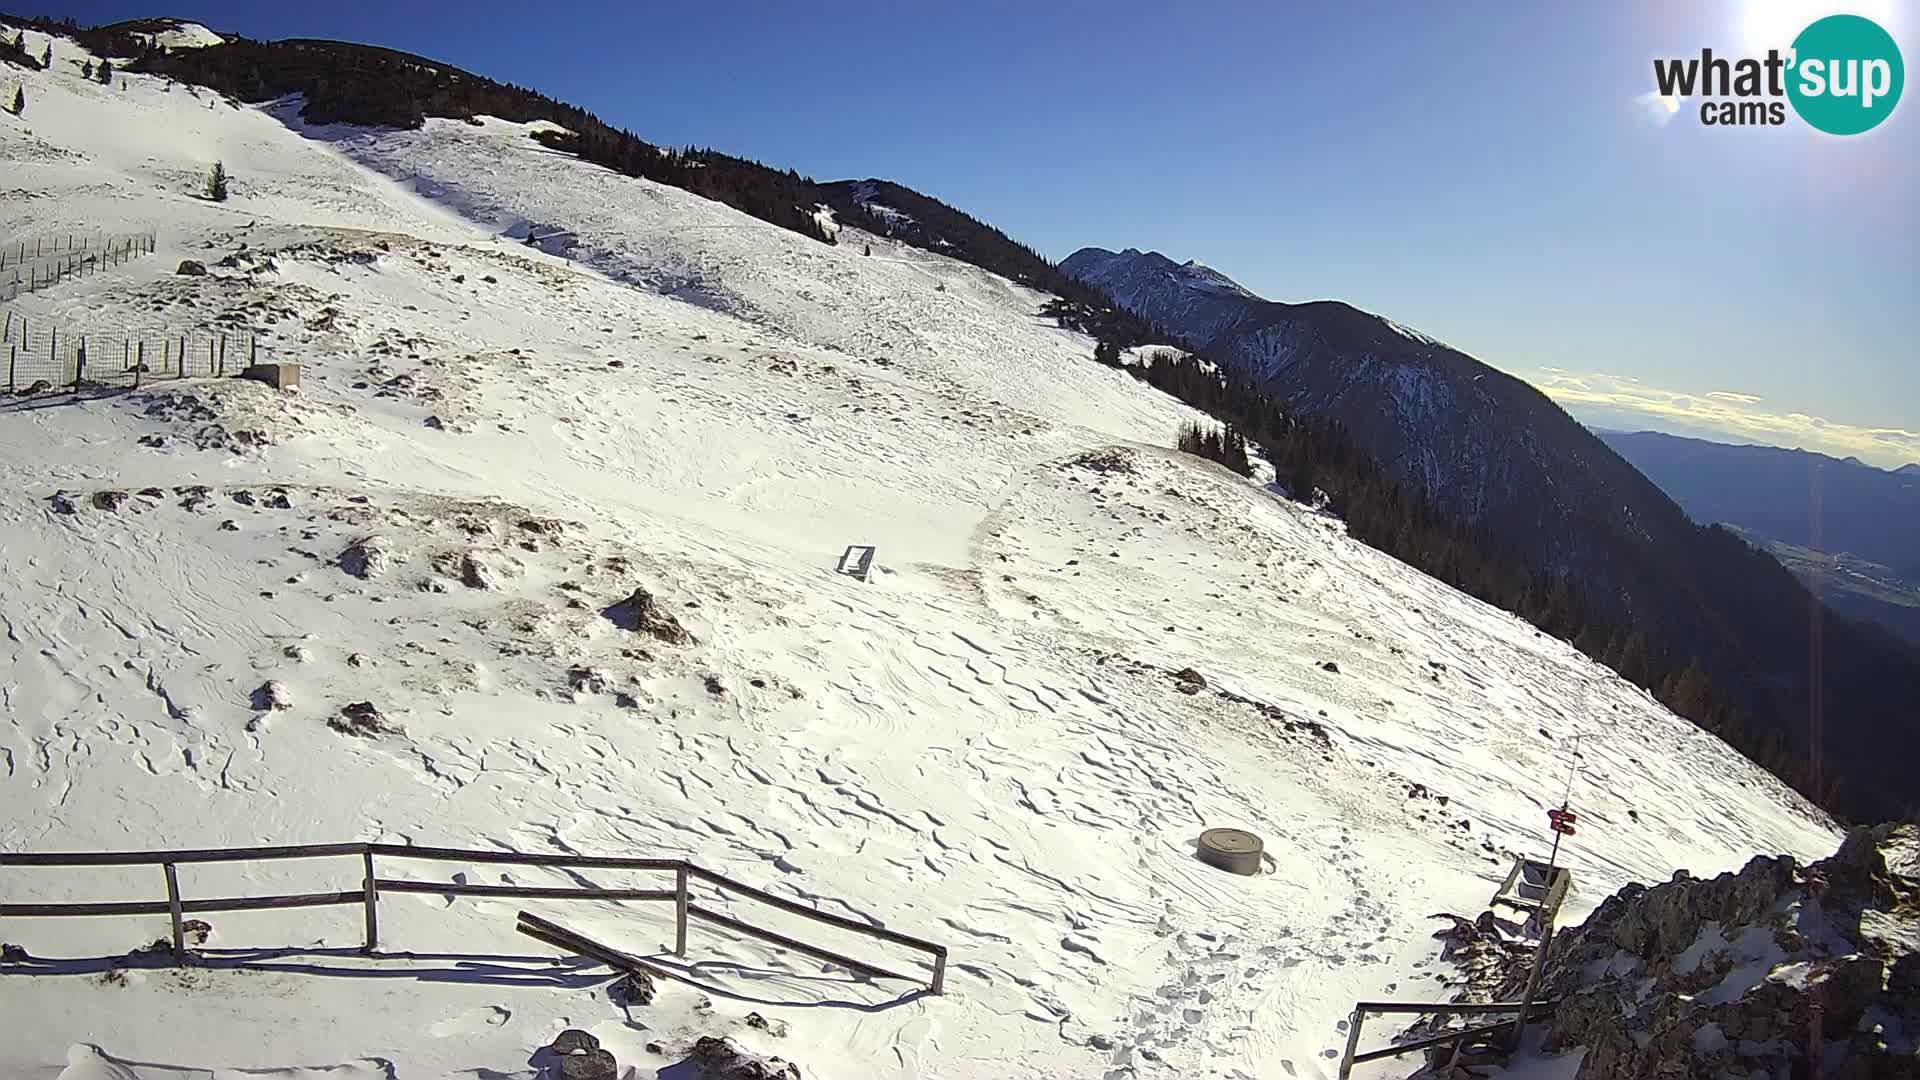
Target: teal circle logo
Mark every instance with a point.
(1847, 75)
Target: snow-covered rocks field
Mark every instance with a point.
(1080, 648)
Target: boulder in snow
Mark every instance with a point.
(641, 614)
(366, 557)
(720, 1058)
(191, 268)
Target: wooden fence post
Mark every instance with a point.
(223, 354)
(139, 362)
(253, 350)
(80, 364)
(373, 901)
(1533, 983)
(680, 910)
(12, 355)
(939, 984)
(173, 911)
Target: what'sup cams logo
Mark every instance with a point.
(1842, 75)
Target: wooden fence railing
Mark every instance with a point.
(176, 906)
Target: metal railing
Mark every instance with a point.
(176, 906)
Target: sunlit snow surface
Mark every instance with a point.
(986, 746)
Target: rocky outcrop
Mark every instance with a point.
(641, 614)
(1750, 974)
(720, 1058)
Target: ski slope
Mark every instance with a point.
(986, 746)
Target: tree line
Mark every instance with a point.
(367, 85)
(1315, 460)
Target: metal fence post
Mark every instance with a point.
(1354, 1021)
(80, 364)
(939, 985)
(139, 362)
(173, 911)
(680, 910)
(373, 903)
(13, 354)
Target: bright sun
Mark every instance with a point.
(1773, 24)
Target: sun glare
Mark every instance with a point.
(1773, 24)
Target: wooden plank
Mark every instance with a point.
(784, 941)
(1437, 1040)
(157, 858)
(573, 941)
(437, 854)
(1446, 1008)
(520, 891)
(190, 907)
(817, 915)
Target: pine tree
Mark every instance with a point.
(217, 183)
(86, 70)
(104, 73)
(46, 56)
(19, 100)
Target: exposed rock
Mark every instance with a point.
(641, 614)
(634, 990)
(109, 500)
(365, 557)
(196, 931)
(715, 686)
(277, 499)
(191, 268)
(588, 680)
(574, 1041)
(272, 695)
(775, 1028)
(244, 497)
(719, 1058)
(1190, 681)
(1330, 666)
(589, 1065)
(13, 954)
(61, 502)
(1729, 976)
(362, 719)
(480, 572)
(37, 386)
(229, 525)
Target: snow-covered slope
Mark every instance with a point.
(990, 745)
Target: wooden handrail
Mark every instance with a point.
(817, 915)
(371, 886)
(520, 891)
(187, 907)
(159, 858)
(517, 858)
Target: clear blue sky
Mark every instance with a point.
(1479, 171)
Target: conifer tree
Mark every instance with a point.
(104, 73)
(86, 70)
(19, 100)
(217, 183)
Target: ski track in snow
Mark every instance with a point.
(985, 746)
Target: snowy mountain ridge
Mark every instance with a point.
(999, 743)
